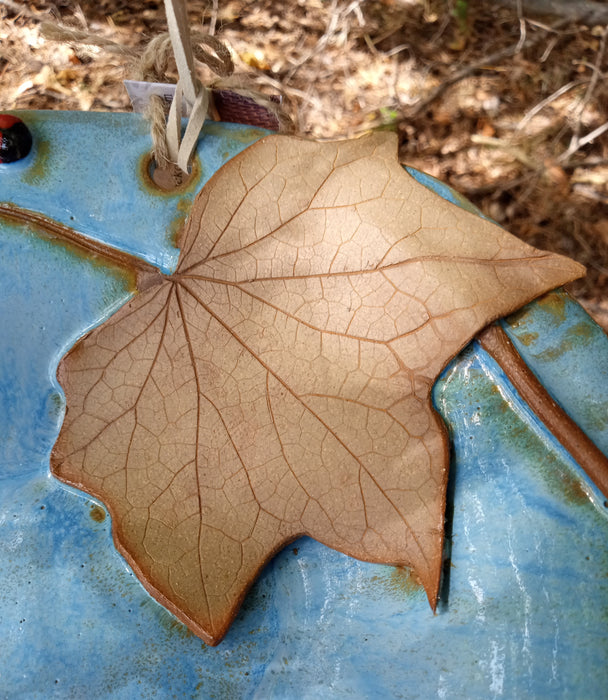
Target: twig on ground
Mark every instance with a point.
(593, 135)
(337, 16)
(576, 142)
(587, 163)
(551, 44)
(473, 68)
(579, 143)
(590, 193)
(321, 43)
(594, 79)
(522, 27)
(531, 113)
(517, 153)
(493, 187)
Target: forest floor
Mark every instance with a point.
(509, 109)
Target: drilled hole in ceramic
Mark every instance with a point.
(169, 179)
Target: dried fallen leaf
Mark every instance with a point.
(278, 383)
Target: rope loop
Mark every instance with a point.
(153, 64)
(221, 64)
(172, 152)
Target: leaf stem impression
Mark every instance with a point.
(50, 228)
(496, 342)
(147, 274)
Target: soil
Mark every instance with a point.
(510, 110)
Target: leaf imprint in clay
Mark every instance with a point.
(278, 383)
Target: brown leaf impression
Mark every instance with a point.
(278, 383)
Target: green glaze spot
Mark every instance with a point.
(576, 337)
(97, 513)
(37, 172)
(247, 135)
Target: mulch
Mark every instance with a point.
(509, 110)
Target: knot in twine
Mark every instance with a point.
(153, 66)
(170, 149)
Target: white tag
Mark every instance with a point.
(139, 93)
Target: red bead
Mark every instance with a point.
(15, 139)
(8, 120)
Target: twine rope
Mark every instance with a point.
(152, 65)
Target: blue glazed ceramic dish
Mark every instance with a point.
(525, 605)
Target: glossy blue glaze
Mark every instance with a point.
(49, 298)
(548, 337)
(87, 170)
(525, 612)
